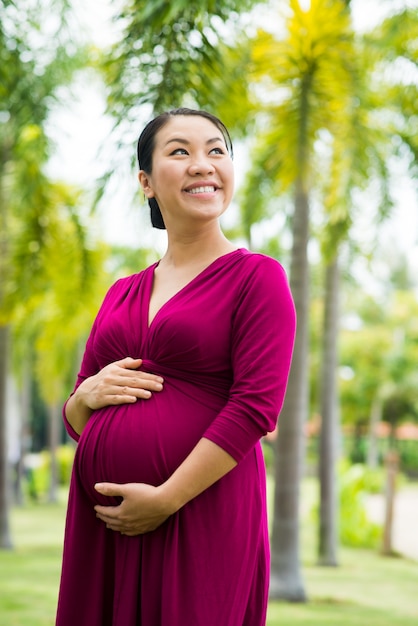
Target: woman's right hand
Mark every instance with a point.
(120, 382)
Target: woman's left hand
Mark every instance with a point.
(142, 510)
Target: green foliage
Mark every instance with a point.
(39, 477)
(363, 354)
(308, 73)
(123, 261)
(372, 480)
(356, 530)
(65, 458)
(43, 234)
(394, 42)
(177, 54)
(305, 88)
(380, 353)
(408, 456)
(37, 56)
(355, 447)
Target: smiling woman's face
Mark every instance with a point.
(192, 173)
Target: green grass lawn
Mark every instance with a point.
(366, 590)
(29, 574)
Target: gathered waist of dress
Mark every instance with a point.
(205, 380)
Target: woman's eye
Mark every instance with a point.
(183, 151)
(179, 151)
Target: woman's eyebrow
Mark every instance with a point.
(186, 142)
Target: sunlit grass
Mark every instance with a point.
(365, 590)
(29, 573)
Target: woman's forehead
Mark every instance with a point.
(189, 127)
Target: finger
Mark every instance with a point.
(113, 523)
(123, 394)
(107, 516)
(140, 382)
(133, 389)
(139, 377)
(129, 363)
(148, 384)
(113, 526)
(110, 489)
(119, 397)
(146, 377)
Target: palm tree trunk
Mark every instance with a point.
(375, 419)
(53, 424)
(286, 580)
(25, 404)
(329, 435)
(5, 537)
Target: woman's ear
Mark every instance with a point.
(145, 183)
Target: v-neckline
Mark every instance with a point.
(152, 269)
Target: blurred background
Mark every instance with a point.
(320, 98)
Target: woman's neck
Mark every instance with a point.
(196, 249)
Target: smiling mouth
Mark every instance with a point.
(203, 189)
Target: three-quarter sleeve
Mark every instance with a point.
(263, 333)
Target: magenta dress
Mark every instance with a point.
(223, 344)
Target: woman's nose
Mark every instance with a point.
(201, 165)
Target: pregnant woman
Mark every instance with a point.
(185, 370)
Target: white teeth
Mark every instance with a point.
(208, 189)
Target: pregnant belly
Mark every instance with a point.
(142, 442)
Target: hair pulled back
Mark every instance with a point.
(146, 145)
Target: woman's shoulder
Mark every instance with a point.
(259, 263)
(262, 285)
(263, 278)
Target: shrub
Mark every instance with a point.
(373, 480)
(65, 458)
(356, 530)
(39, 474)
(408, 452)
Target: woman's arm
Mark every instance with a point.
(118, 383)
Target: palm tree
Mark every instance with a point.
(59, 308)
(361, 151)
(308, 74)
(30, 73)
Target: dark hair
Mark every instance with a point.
(146, 144)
